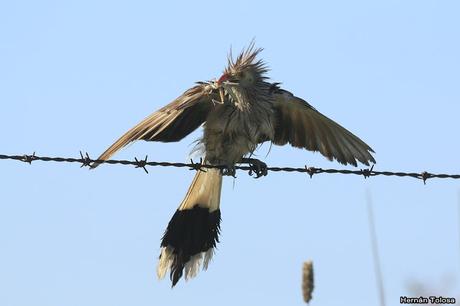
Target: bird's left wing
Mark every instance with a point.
(302, 126)
(170, 123)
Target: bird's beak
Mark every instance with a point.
(224, 77)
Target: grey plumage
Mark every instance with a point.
(238, 111)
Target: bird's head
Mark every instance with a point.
(246, 71)
(243, 77)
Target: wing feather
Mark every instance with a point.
(171, 123)
(302, 126)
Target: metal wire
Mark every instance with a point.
(85, 161)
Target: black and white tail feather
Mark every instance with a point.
(193, 232)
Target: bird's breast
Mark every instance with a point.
(231, 133)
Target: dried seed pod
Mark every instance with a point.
(307, 281)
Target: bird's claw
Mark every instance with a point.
(229, 171)
(257, 167)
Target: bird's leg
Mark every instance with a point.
(256, 166)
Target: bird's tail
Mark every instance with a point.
(193, 231)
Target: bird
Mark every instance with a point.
(238, 111)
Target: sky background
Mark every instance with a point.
(75, 75)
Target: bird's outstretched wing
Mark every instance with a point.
(170, 123)
(302, 126)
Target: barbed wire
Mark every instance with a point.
(86, 161)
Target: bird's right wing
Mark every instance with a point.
(170, 123)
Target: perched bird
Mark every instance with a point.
(239, 110)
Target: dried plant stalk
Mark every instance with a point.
(307, 281)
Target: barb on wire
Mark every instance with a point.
(197, 166)
(310, 171)
(28, 158)
(142, 163)
(367, 172)
(86, 160)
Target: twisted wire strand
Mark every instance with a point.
(85, 161)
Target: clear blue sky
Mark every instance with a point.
(75, 75)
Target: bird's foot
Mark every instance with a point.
(229, 170)
(259, 168)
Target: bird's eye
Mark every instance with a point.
(246, 77)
